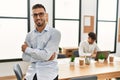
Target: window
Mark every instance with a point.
(67, 20)
(107, 24)
(13, 28)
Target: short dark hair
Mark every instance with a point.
(92, 35)
(38, 6)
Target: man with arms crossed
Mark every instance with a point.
(41, 48)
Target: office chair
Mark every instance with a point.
(61, 56)
(94, 77)
(117, 79)
(76, 53)
(18, 71)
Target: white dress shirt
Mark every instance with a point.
(41, 47)
(86, 49)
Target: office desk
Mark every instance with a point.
(102, 70)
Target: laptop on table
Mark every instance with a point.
(105, 53)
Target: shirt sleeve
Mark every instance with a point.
(26, 57)
(50, 48)
(81, 50)
(97, 48)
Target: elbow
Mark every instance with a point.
(43, 57)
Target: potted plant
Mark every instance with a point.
(101, 58)
(60, 50)
(72, 60)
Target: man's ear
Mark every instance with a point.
(46, 15)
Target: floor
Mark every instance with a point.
(14, 78)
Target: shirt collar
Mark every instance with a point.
(90, 44)
(47, 28)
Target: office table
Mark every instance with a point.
(103, 71)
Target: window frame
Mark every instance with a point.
(79, 20)
(115, 42)
(28, 29)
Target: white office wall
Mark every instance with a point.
(88, 8)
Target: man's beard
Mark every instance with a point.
(40, 24)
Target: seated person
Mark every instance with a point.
(89, 46)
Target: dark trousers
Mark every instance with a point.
(35, 77)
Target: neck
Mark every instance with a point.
(89, 42)
(40, 29)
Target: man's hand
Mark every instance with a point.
(24, 46)
(52, 57)
(94, 54)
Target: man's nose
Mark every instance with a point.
(38, 17)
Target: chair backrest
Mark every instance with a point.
(61, 56)
(94, 77)
(18, 71)
(76, 53)
(117, 78)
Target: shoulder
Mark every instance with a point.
(83, 42)
(94, 43)
(54, 31)
(31, 32)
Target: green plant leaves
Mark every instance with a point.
(101, 56)
(72, 58)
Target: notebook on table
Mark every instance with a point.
(105, 53)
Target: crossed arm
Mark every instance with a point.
(47, 53)
(25, 45)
